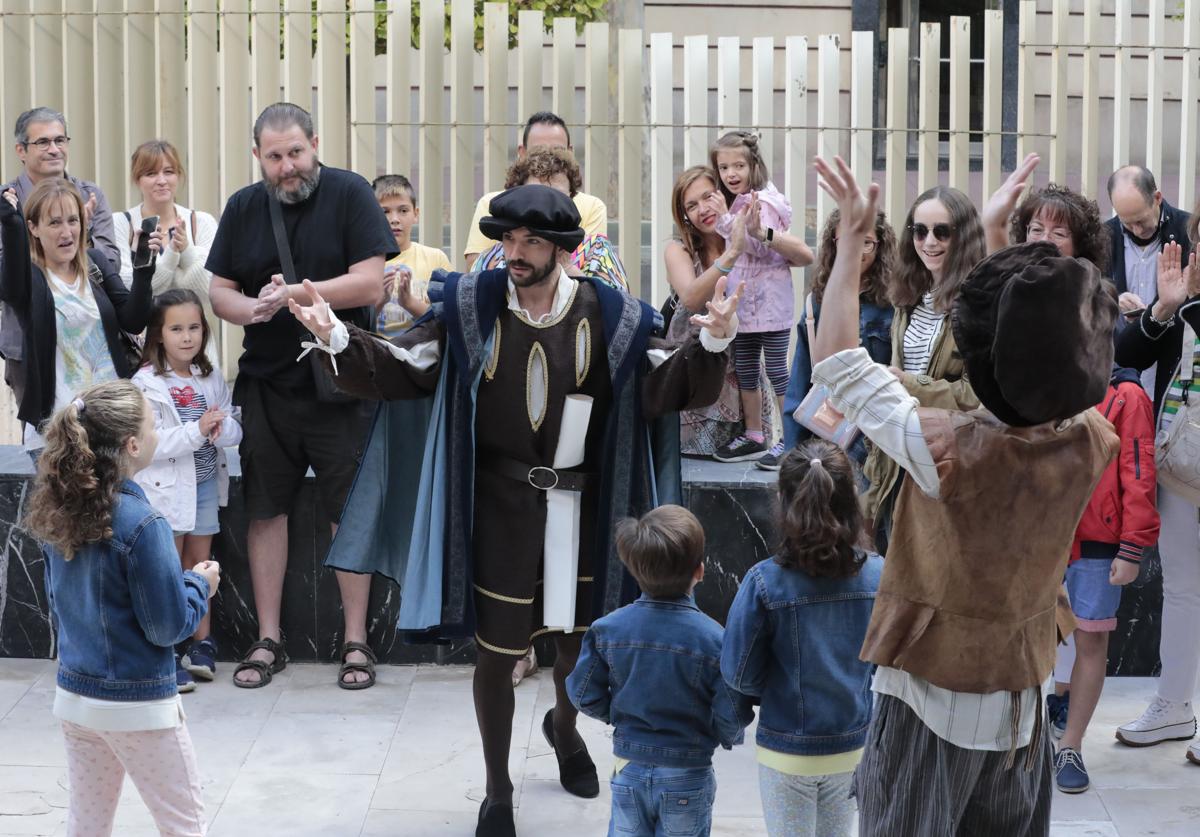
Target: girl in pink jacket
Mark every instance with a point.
(764, 272)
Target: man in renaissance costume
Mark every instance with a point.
(964, 625)
(518, 427)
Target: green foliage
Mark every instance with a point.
(584, 11)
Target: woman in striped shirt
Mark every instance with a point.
(941, 240)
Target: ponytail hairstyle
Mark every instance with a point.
(747, 143)
(83, 465)
(154, 354)
(821, 521)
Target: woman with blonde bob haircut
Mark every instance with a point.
(71, 303)
(156, 169)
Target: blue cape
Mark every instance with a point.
(408, 514)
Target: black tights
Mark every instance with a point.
(495, 703)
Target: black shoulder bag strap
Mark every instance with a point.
(281, 242)
(326, 391)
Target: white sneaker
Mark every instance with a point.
(1163, 720)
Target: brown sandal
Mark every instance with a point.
(368, 667)
(265, 670)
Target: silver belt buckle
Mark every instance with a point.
(534, 482)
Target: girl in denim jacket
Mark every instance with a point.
(119, 604)
(792, 640)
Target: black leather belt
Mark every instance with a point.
(540, 477)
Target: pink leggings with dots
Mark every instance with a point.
(161, 764)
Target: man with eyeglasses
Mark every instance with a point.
(42, 143)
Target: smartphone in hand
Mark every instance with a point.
(141, 256)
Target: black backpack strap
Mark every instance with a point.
(129, 221)
(281, 243)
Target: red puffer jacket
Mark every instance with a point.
(1122, 510)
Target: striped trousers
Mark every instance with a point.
(911, 782)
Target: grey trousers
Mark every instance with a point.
(911, 782)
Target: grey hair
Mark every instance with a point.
(39, 114)
(281, 116)
(1141, 178)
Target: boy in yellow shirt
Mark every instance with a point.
(406, 277)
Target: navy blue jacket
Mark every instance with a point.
(121, 605)
(652, 669)
(792, 643)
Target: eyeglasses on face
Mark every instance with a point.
(869, 245)
(942, 232)
(43, 143)
(1038, 232)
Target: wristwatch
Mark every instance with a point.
(768, 236)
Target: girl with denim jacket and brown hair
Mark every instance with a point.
(792, 640)
(119, 604)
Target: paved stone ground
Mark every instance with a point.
(302, 757)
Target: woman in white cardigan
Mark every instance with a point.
(157, 171)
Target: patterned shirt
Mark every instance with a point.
(1141, 278)
(924, 326)
(190, 404)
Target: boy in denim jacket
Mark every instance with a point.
(652, 669)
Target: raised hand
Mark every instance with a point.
(857, 210)
(721, 310)
(1003, 201)
(316, 317)
(1172, 283)
(10, 195)
(89, 209)
(271, 297)
(753, 212)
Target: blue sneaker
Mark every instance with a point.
(1069, 773)
(1056, 711)
(183, 677)
(201, 659)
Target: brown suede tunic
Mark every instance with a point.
(970, 588)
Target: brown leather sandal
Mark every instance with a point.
(265, 670)
(368, 667)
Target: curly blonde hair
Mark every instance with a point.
(83, 465)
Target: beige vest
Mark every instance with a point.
(970, 588)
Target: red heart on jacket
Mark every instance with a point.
(183, 396)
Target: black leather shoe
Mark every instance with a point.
(576, 772)
(495, 820)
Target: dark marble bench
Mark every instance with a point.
(735, 503)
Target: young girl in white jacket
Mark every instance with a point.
(194, 416)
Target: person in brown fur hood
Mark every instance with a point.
(967, 616)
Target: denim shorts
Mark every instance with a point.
(649, 801)
(1093, 600)
(207, 501)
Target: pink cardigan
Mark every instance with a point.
(767, 303)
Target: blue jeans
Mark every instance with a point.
(653, 801)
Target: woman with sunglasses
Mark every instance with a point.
(940, 242)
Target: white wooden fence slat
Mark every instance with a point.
(297, 51)
(929, 106)
(729, 81)
(332, 111)
(1061, 138)
(363, 130)
(530, 97)
(829, 85)
(399, 68)
(1090, 141)
(432, 117)
(1187, 135)
(1154, 88)
(862, 101)
(895, 194)
(1122, 78)
(203, 140)
(762, 115)
(563, 101)
(695, 100)
(993, 69)
(960, 102)
(662, 169)
(462, 137)
(631, 114)
(598, 170)
(78, 99)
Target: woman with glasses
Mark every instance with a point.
(157, 170)
(875, 318)
(1054, 213)
(941, 241)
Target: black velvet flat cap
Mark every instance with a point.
(1035, 331)
(540, 209)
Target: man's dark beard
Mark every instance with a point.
(538, 275)
(308, 185)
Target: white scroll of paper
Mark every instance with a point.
(561, 556)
